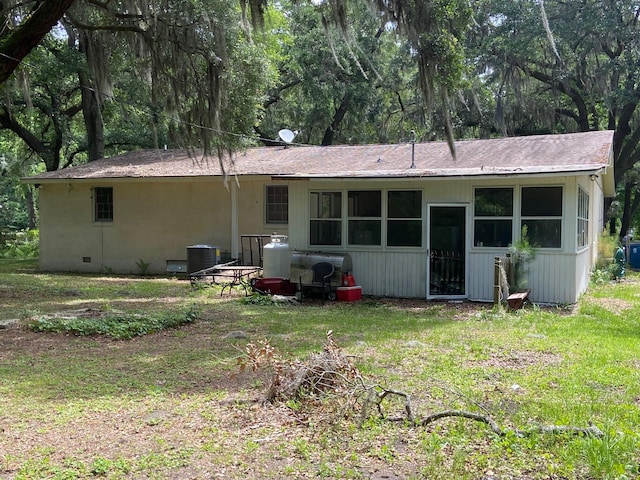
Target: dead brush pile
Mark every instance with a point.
(325, 380)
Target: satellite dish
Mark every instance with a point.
(287, 135)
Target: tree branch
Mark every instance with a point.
(51, 160)
(591, 430)
(19, 42)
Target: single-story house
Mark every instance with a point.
(405, 213)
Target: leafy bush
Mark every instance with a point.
(522, 253)
(121, 326)
(22, 244)
(603, 274)
(607, 245)
(606, 268)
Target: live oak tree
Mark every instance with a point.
(191, 67)
(561, 66)
(435, 31)
(358, 87)
(206, 67)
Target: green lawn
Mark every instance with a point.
(173, 404)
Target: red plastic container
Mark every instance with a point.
(348, 280)
(274, 286)
(349, 294)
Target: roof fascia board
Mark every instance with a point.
(319, 177)
(592, 171)
(104, 180)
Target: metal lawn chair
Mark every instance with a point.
(321, 278)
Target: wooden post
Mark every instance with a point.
(496, 281)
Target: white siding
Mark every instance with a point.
(555, 276)
(584, 267)
(480, 275)
(551, 278)
(390, 274)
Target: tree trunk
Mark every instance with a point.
(93, 122)
(336, 121)
(31, 207)
(626, 210)
(50, 154)
(91, 104)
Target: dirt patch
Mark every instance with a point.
(614, 305)
(460, 310)
(519, 359)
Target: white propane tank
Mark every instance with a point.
(276, 257)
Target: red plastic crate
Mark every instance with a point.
(349, 294)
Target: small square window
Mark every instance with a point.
(103, 204)
(277, 204)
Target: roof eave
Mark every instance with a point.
(430, 174)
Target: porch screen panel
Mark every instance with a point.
(583, 218)
(493, 217)
(541, 214)
(325, 218)
(404, 218)
(365, 210)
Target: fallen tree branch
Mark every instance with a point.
(331, 374)
(461, 413)
(591, 430)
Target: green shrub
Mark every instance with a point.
(121, 326)
(22, 244)
(522, 253)
(607, 245)
(603, 274)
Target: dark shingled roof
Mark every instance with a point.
(574, 152)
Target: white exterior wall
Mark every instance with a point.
(154, 221)
(555, 276)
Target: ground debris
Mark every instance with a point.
(332, 374)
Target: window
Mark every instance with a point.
(404, 218)
(541, 213)
(583, 218)
(493, 217)
(325, 214)
(365, 212)
(365, 218)
(277, 204)
(103, 204)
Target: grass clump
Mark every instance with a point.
(121, 326)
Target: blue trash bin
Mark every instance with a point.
(634, 255)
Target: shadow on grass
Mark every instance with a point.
(197, 358)
(20, 265)
(194, 359)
